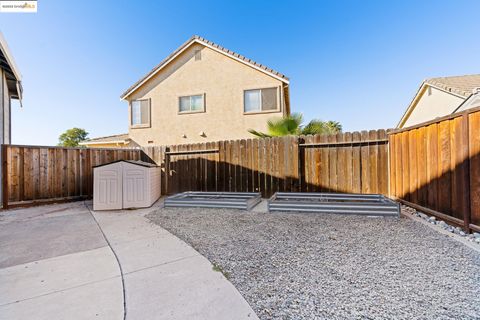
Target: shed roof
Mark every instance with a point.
(212, 45)
(135, 162)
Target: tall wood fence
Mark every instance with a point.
(37, 173)
(435, 166)
(347, 162)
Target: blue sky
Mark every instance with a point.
(356, 62)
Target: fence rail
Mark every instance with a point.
(435, 166)
(37, 173)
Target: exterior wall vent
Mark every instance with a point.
(198, 55)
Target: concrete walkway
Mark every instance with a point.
(65, 262)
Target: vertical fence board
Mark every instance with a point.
(474, 166)
(445, 175)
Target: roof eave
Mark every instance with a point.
(9, 57)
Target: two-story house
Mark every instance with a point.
(203, 92)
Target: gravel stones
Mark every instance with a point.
(317, 266)
(442, 224)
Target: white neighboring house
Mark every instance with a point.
(439, 97)
(10, 88)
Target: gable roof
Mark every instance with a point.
(213, 46)
(117, 138)
(459, 86)
(135, 162)
(12, 73)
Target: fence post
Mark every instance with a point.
(301, 165)
(465, 156)
(167, 168)
(4, 177)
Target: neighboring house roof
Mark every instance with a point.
(460, 86)
(211, 45)
(118, 138)
(12, 73)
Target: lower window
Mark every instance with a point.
(194, 103)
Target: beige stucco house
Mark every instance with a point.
(10, 88)
(439, 97)
(204, 92)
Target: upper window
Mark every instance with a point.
(260, 100)
(141, 112)
(191, 103)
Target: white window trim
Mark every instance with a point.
(190, 111)
(278, 109)
(142, 125)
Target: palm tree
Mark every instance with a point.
(322, 127)
(292, 125)
(289, 125)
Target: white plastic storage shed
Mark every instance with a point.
(125, 184)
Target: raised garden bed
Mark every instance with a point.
(232, 200)
(343, 203)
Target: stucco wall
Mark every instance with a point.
(222, 80)
(430, 106)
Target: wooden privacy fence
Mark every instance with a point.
(37, 173)
(435, 167)
(347, 162)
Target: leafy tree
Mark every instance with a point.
(292, 125)
(72, 137)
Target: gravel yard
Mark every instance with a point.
(314, 266)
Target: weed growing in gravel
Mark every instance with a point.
(218, 268)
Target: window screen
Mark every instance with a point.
(140, 112)
(191, 103)
(260, 100)
(269, 99)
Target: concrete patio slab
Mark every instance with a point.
(164, 277)
(50, 232)
(65, 262)
(98, 300)
(184, 289)
(149, 252)
(43, 277)
(128, 225)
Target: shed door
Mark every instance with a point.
(134, 186)
(107, 188)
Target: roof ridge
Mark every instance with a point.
(104, 137)
(208, 42)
